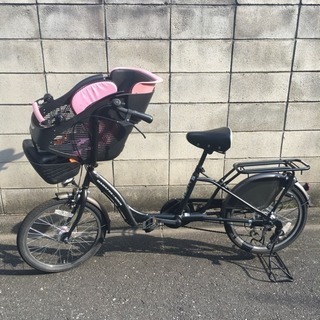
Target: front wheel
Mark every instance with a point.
(41, 241)
(292, 212)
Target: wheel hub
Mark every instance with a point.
(63, 234)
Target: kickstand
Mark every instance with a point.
(275, 267)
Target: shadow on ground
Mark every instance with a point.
(129, 242)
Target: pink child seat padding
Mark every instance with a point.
(90, 94)
(142, 88)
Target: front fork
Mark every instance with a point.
(77, 212)
(79, 198)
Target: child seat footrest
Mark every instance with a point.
(51, 168)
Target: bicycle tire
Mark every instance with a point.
(39, 237)
(292, 212)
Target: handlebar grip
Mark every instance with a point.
(142, 116)
(37, 112)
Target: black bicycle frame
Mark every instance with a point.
(133, 217)
(113, 195)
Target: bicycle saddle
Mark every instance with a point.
(218, 140)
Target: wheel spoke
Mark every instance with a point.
(40, 237)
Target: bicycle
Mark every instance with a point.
(262, 214)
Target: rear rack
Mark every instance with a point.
(281, 165)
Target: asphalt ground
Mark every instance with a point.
(186, 273)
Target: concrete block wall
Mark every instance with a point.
(252, 65)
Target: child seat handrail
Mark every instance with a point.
(281, 165)
(37, 113)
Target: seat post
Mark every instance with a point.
(192, 182)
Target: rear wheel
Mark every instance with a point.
(41, 241)
(292, 212)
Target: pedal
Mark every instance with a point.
(150, 224)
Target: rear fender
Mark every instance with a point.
(304, 193)
(258, 190)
